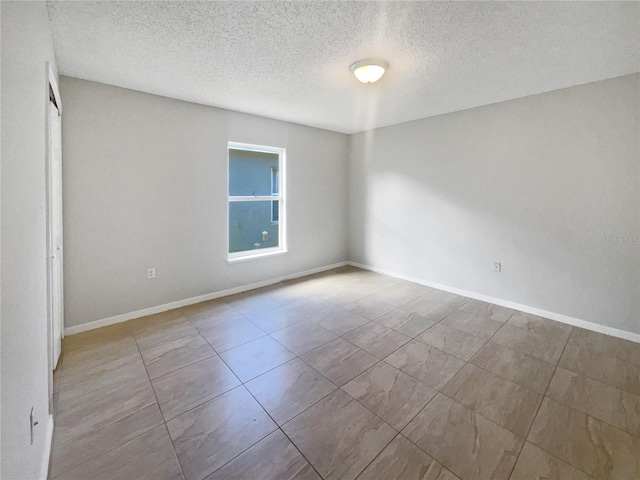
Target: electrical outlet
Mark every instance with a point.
(151, 273)
(497, 267)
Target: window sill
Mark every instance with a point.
(256, 256)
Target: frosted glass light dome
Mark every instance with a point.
(369, 70)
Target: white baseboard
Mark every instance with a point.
(46, 454)
(105, 322)
(576, 322)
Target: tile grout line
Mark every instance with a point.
(215, 352)
(569, 407)
(164, 420)
(586, 375)
(418, 446)
(508, 380)
(197, 334)
(378, 454)
(242, 384)
(378, 362)
(212, 398)
(337, 387)
(244, 317)
(149, 429)
(588, 414)
(411, 419)
(378, 358)
(283, 432)
(269, 415)
(352, 399)
(439, 391)
(544, 395)
(414, 338)
(312, 405)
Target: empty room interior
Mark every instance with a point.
(320, 240)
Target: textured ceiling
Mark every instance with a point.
(290, 60)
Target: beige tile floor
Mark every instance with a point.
(342, 375)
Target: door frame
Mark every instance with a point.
(51, 82)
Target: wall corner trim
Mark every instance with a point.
(576, 322)
(46, 454)
(105, 322)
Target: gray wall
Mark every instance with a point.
(145, 185)
(26, 46)
(539, 183)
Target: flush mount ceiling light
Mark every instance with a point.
(369, 70)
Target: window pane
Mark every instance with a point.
(250, 226)
(275, 181)
(251, 173)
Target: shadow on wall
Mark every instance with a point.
(541, 184)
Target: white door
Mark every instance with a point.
(56, 306)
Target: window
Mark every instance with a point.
(256, 201)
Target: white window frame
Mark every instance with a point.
(282, 231)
